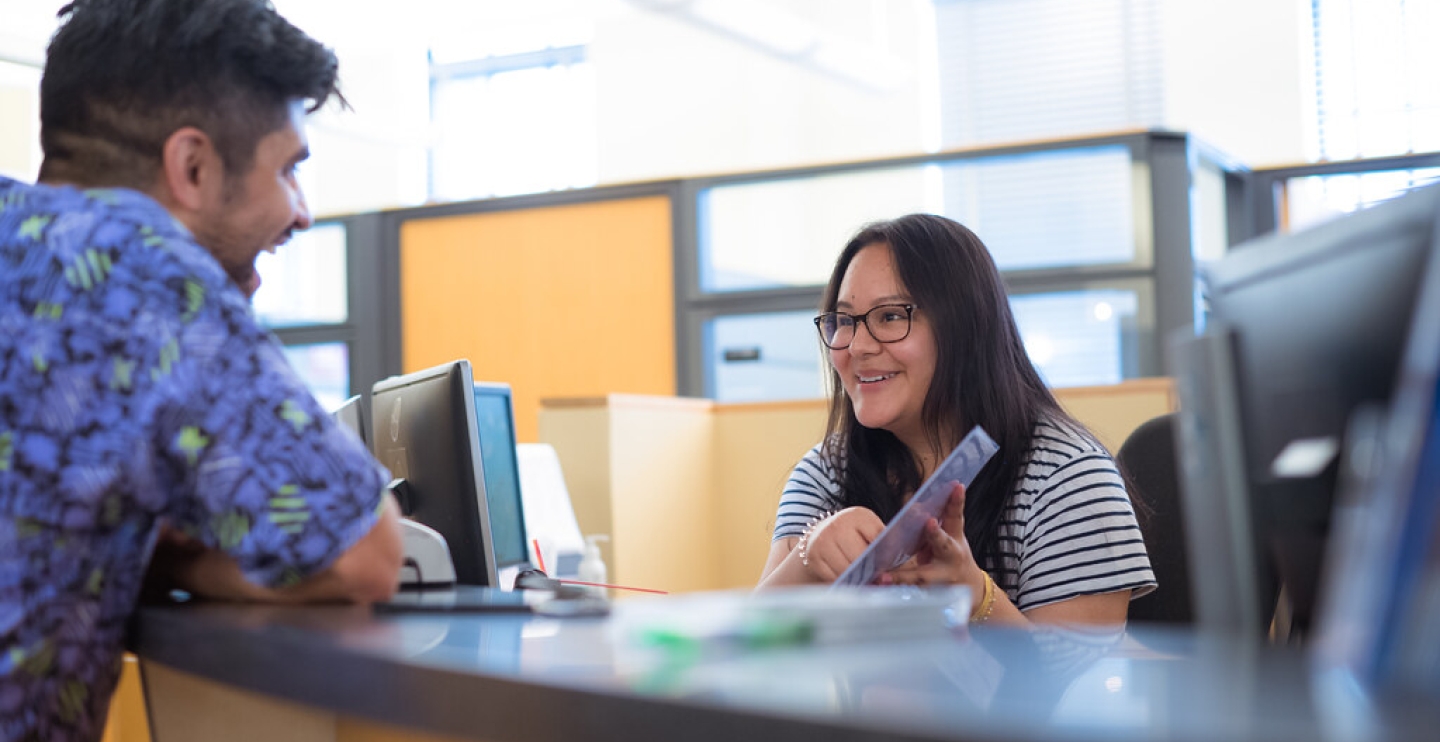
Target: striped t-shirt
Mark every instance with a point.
(1068, 529)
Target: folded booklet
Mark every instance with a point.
(901, 539)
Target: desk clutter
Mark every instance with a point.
(717, 623)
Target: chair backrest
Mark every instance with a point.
(1148, 460)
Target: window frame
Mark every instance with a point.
(1163, 265)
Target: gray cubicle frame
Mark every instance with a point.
(1258, 198)
(1164, 215)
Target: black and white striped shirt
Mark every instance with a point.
(1068, 530)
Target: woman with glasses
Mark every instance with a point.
(923, 346)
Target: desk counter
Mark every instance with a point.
(518, 677)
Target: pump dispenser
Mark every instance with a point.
(592, 565)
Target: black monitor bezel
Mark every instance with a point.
(464, 521)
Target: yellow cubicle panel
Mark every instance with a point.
(127, 721)
(559, 301)
(640, 469)
(1114, 411)
(756, 446)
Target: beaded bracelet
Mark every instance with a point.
(803, 545)
(987, 603)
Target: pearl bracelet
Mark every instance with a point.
(803, 546)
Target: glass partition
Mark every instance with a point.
(1037, 210)
(1313, 199)
(773, 355)
(1085, 337)
(325, 368)
(303, 283)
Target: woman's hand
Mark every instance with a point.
(944, 557)
(839, 540)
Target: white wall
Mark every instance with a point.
(373, 156)
(25, 27)
(19, 121)
(678, 99)
(1235, 76)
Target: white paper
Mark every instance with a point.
(549, 516)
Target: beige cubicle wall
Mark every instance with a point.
(1113, 412)
(641, 470)
(687, 488)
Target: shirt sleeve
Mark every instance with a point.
(812, 491)
(255, 467)
(1082, 537)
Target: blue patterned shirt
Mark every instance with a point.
(136, 388)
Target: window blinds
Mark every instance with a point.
(1031, 69)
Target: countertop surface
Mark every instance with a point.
(522, 676)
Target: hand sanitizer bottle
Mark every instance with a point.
(592, 565)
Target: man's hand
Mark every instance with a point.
(366, 573)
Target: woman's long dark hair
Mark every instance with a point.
(982, 377)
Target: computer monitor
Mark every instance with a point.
(1316, 322)
(351, 414)
(496, 425)
(425, 431)
(1381, 602)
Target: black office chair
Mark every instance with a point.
(1148, 460)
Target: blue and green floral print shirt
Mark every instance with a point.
(136, 388)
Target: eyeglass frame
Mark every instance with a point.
(863, 319)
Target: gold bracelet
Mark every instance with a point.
(987, 603)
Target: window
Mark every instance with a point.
(1070, 226)
(775, 355)
(1375, 90)
(1313, 199)
(1079, 338)
(304, 298)
(1040, 210)
(325, 368)
(519, 123)
(1028, 69)
(303, 283)
(19, 120)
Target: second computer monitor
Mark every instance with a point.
(496, 426)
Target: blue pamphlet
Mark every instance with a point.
(901, 539)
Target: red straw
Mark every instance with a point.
(614, 587)
(538, 556)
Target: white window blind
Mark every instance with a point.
(1377, 92)
(1027, 69)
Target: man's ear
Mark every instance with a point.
(191, 171)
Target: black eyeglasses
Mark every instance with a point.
(887, 323)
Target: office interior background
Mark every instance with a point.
(749, 138)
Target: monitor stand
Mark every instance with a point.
(427, 557)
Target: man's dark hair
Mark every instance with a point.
(121, 76)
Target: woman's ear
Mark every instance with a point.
(191, 171)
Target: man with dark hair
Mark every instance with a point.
(142, 409)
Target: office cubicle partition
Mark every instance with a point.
(734, 263)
